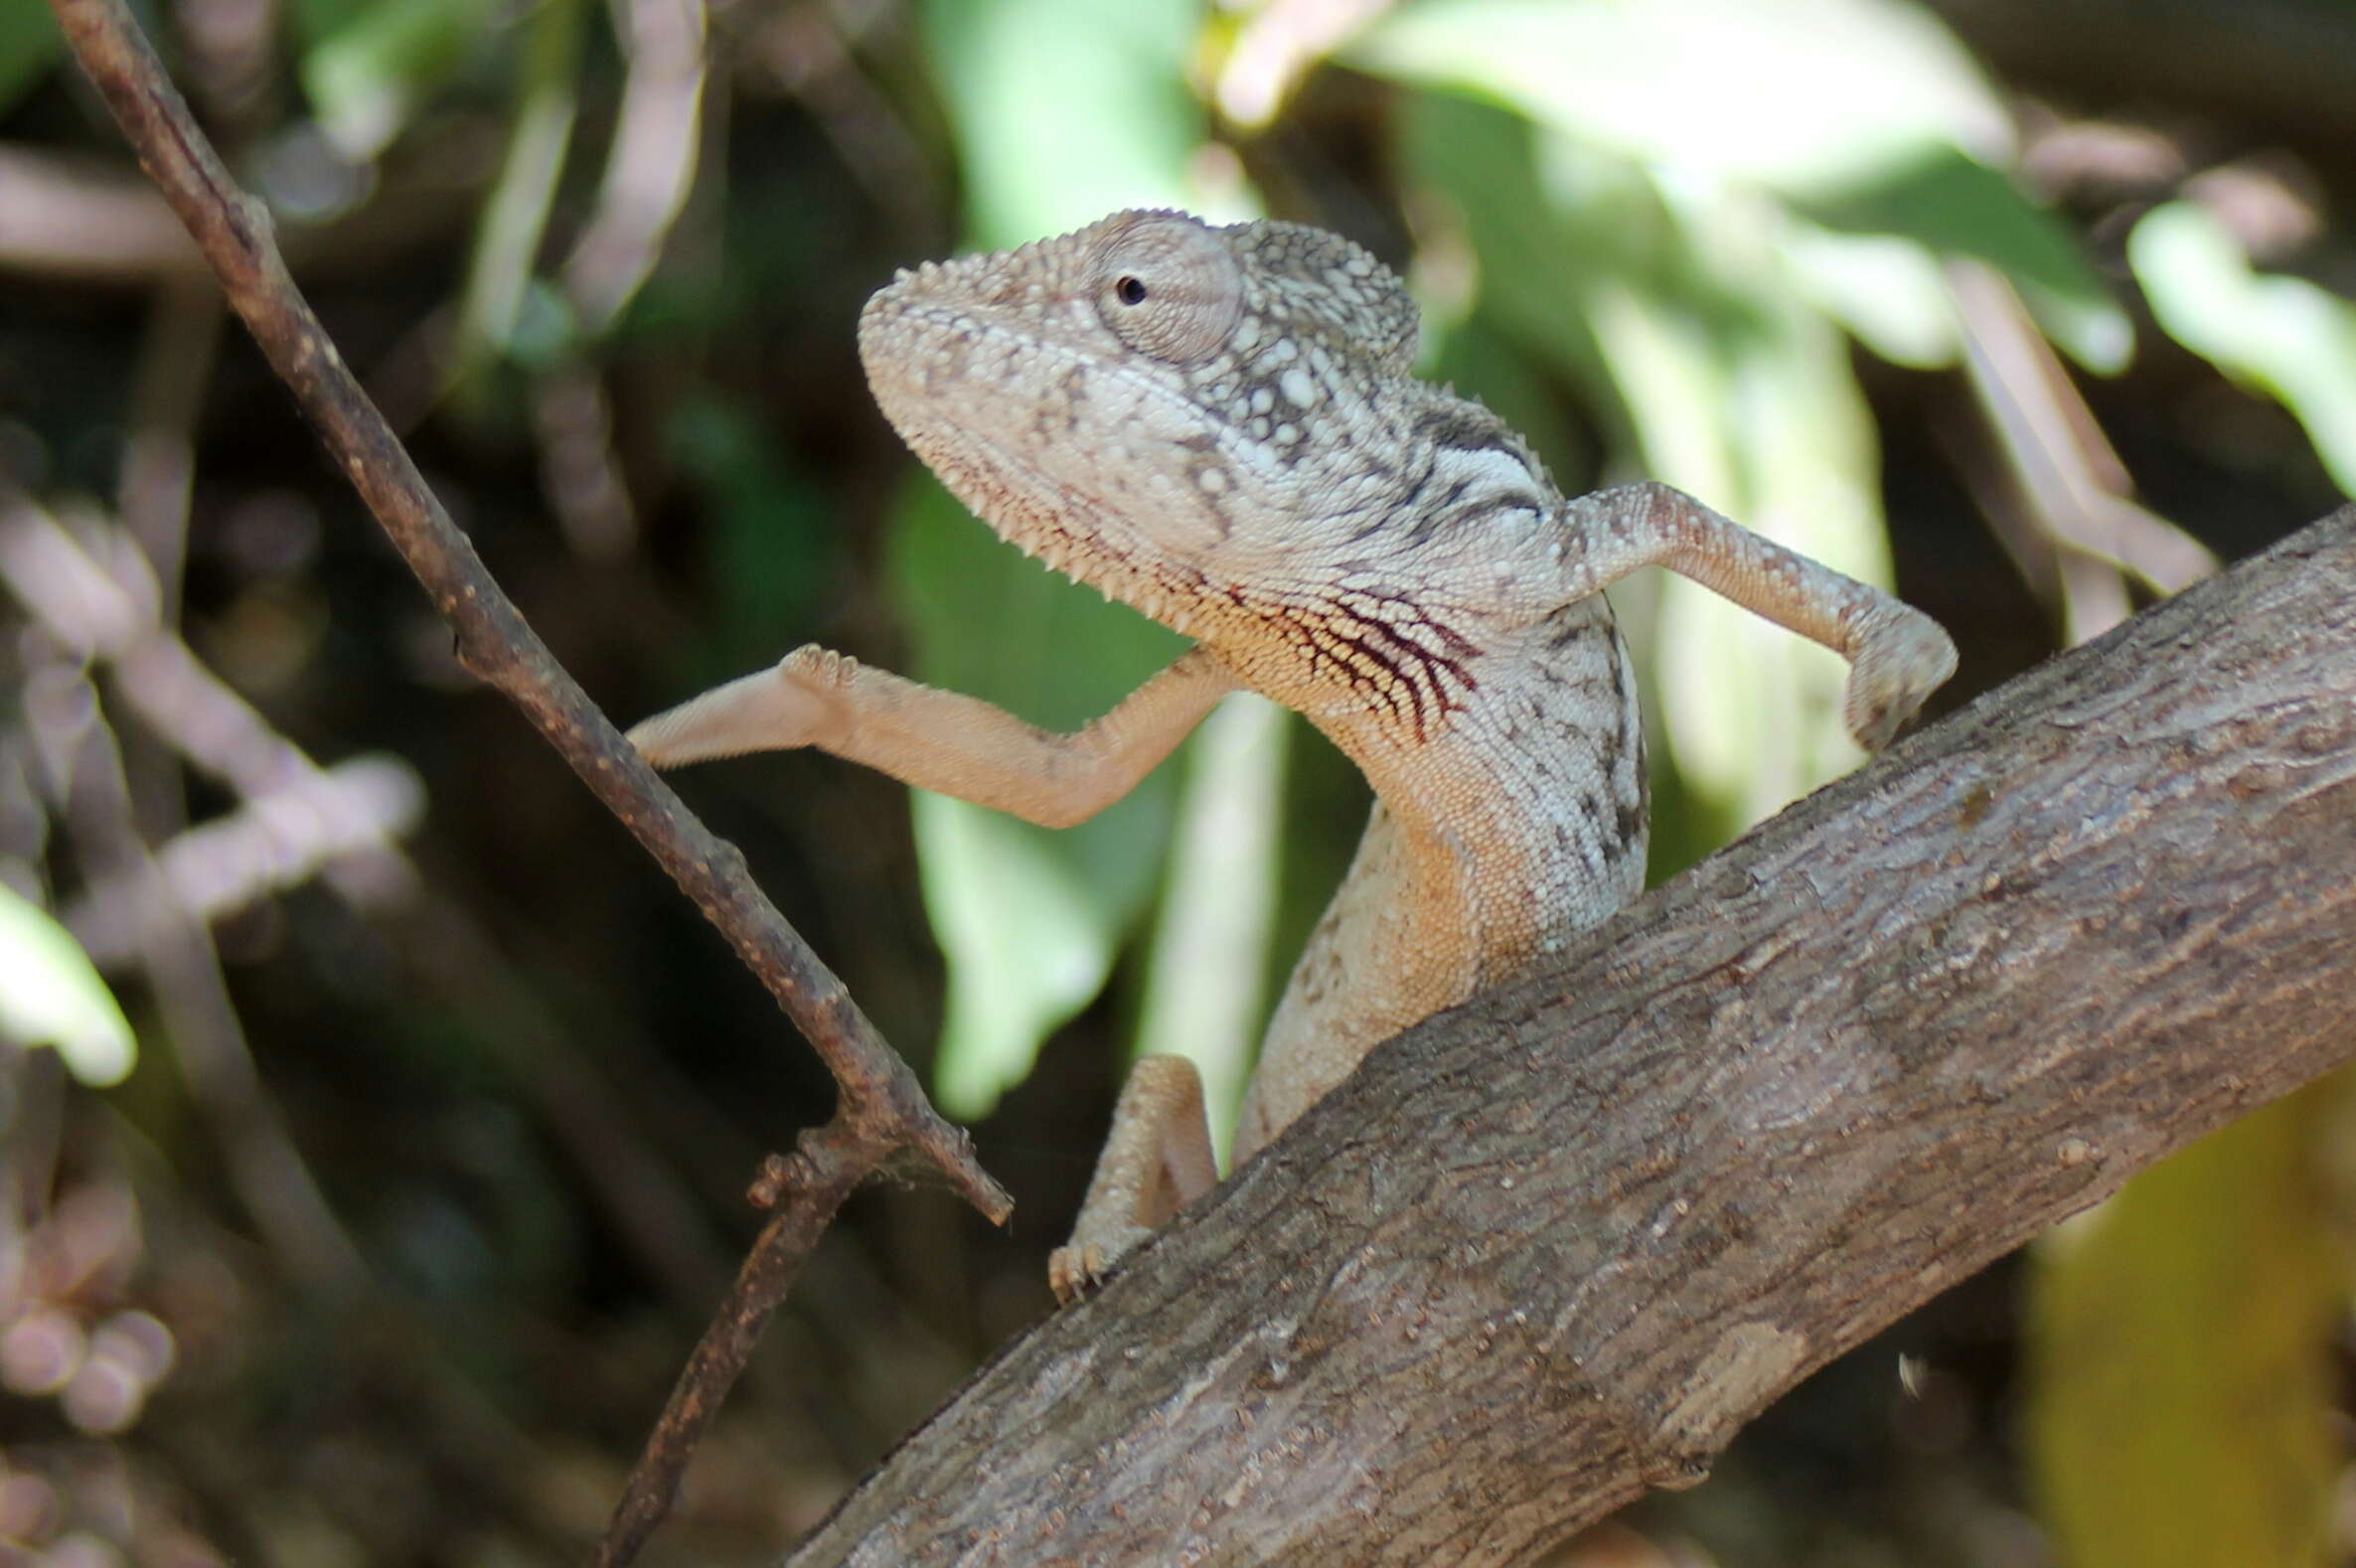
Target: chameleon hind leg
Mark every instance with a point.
(1155, 1162)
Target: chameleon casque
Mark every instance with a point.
(1221, 427)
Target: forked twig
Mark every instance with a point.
(882, 1108)
(805, 1188)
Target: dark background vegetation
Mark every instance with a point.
(434, 1157)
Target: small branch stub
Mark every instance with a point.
(779, 1176)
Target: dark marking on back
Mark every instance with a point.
(1463, 428)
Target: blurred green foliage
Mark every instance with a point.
(2288, 337)
(1029, 919)
(370, 67)
(2181, 1396)
(50, 995)
(30, 45)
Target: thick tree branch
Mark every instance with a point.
(1556, 1246)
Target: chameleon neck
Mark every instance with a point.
(1494, 842)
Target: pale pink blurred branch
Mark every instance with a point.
(2072, 527)
(297, 820)
(652, 163)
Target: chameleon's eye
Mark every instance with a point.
(1168, 286)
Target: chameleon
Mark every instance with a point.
(1221, 427)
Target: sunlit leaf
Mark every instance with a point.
(1799, 95)
(1887, 292)
(2181, 1388)
(1030, 941)
(1892, 133)
(1783, 441)
(2285, 334)
(30, 44)
(50, 994)
(1066, 109)
(1541, 239)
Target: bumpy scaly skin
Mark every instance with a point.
(1220, 427)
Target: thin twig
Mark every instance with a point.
(882, 1100)
(152, 494)
(2083, 532)
(159, 451)
(806, 1188)
(269, 1172)
(882, 1107)
(61, 218)
(78, 219)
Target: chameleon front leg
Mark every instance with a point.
(941, 740)
(1156, 1161)
(1157, 1158)
(1897, 655)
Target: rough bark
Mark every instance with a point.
(1556, 1246)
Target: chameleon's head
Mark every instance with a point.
(1177, 413)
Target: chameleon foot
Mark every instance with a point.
(1156, 1161)
(1902, 657)
(1077, 1268)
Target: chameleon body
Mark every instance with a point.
(1221, 427)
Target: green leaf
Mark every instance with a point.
(50, 995)
(1480, 360)
(1066, 109)
(1758, 414)
(773, 554)
(2181, 1386)
(1030, 919)
(1717, 90)
(1542, 238)
(1888, 291)
(1893, 133)
(30, 44)
(2285, 334)
(1028, 940)
(1057, 655)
